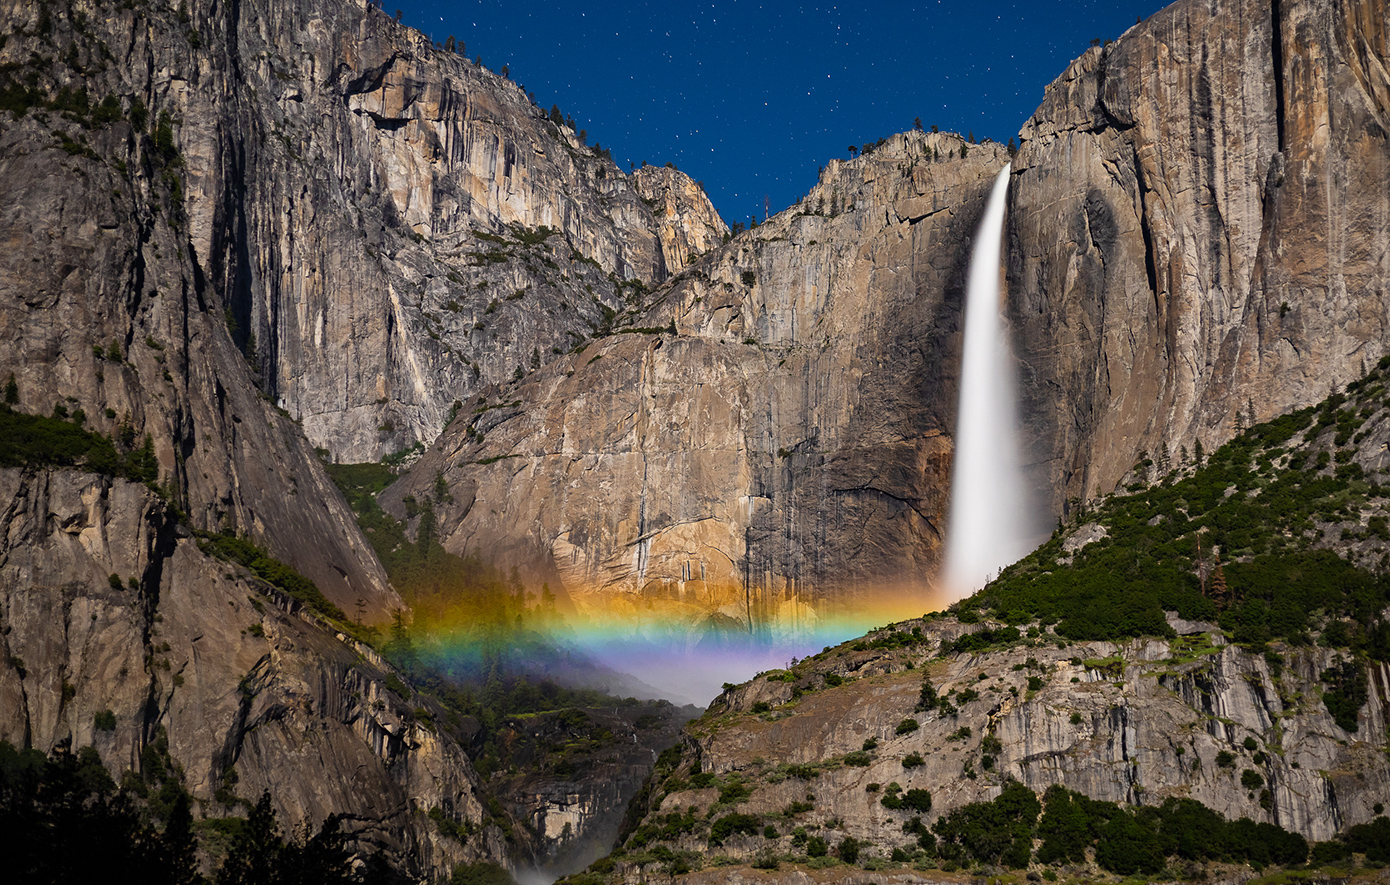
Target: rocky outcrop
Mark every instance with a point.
(1132, 723)
(107, 606)
(397, 225)
(686, 226)
(768, 441)
(385, 225)
(1198, 229)
(574, 800)
(106, 310)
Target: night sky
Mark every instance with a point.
(752, 98)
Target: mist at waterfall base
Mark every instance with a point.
(993, 520)
(657, 655)
(693, 668)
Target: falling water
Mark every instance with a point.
(991, 523)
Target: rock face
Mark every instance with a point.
(771, 441)
(380, 212)
(1198, 228)
(1198, 231)
(105, 309)
(107, 605)
(302, 224)
(1133, 723)
(576, 808)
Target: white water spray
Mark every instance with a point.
(991, 518)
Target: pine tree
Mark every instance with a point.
(178, 846)
(256, 850)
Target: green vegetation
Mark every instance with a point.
(1239, 538)
(998, 832)
(270, 570)
(480, 874)
(60, 441)
(730, 824)
(65, 820)
(1346, 692)
(913, 800)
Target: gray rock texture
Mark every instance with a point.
(1134, 723)
(370, 205)
(109, 302)
(1198, 232)
(773, 442)
(107, 605)
(1197, 240)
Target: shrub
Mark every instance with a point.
(480, 874)
(1225, 759)
(730, 824)
(912, 760)
(917, 800)
(734, 792)
(105, 720)
(848, 849)
(907, 726)
(1346, 692)
(926, 699)
(816, 847)
(1372, 839)
(1251, 779)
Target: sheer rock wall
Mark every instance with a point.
(1199, 232)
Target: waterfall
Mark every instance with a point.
(991, 523)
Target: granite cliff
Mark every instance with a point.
(396, 225)
(1214, 253)
(1196, 241)
(244, 231)
(110, 607)
(769, 436)
(823, 745)
(189, 211)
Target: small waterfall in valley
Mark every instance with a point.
(991, 523)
